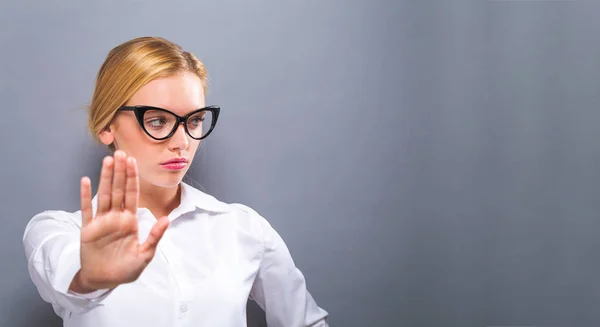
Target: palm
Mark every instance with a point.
(110, 250)
(111, 241)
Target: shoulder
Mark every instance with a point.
(249, 218)
(241, 213)
(55, 217)
(48, 224)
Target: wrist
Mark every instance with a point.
(79, 285)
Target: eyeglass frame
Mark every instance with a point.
(139, 112)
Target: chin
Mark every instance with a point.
(173, 178)
(163, 178)
(169, 180)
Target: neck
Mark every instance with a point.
(159, 200)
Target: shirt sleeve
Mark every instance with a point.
(52, 244)
(280, 287)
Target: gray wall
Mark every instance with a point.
(440, 158)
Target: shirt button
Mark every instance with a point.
(183, 308)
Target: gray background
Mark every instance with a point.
(429, 163)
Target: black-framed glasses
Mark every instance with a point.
(160, 124)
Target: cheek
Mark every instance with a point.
(148, 163)
(128, 136)
(193, 148)
(137, 146)
(145, 157)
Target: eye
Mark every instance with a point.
(197, 120)
(156, 122)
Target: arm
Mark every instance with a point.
(280, 288)
(91, 252)
(52, 248)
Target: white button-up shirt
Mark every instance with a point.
(211, 259)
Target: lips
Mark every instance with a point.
(175, 164)
(175, 161)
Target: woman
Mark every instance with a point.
(148, 249)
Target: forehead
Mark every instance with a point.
(180, 93)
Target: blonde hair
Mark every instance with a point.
(131, 65)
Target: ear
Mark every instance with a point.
(106, 136)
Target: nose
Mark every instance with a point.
(179, 141)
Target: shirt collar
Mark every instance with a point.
(191, 198)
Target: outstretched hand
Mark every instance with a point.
(111, 253)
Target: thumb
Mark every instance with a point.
(156, 233)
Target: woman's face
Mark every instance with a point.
(180, 94)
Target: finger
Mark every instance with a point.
(86, 201)
(132, 186)
(118, 186)
(157, 232)
(105, 185)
